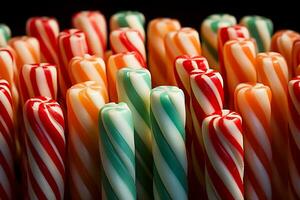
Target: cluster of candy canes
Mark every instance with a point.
(175, 141)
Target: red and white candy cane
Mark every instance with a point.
(206, 99)
(294, 140)
(126, 40)
(7, 144)
(45, 148)
(45, 30)
(38, 80)
(184, 65)
(229, 33)
(93, 24)
(71, 43)
(224, 155)
(26, 50)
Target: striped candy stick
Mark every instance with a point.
(296, 57)
(116, 62)
(38, 80)
(294, 147)
(7, 143)
(93, 24)
(5, 35)
(126, 40)
(26, 49)
(134, 86)
(224, 155)
(117, 152)
(209, 35)
(45, 148)
(182, 42)
(261, 29)
(224, 35)
(282, 42)
(84, 101)
(130, 19)
(272, 71)
(157, 30)
(206, 99)
(239, 62)
(45, 30)
(184, 65)
(87, 68)
(71, 43)
(253, 102)
(169, 153)
(8, 71)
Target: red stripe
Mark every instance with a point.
(96, 27)
(217, 182)
(128, 44)
(49, 79)
(33, 81)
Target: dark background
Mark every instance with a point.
(190, 13)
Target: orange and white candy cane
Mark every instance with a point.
(27, 50)
(296, 57)
(8, 71)
(294, 140)
(93, 24)
(272, 71)
(253, 102)
(84, 101)
(282, 42)
(126, 40)
(157, 30)
(119, 61)
(88, 68)
(229, 33)
(182, 42)
(239, 62)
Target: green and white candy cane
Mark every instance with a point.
(209, 35)
(134, 87)
(169, 153)
(117, 152)
(261, 29)
(5, 35)
(130, 19)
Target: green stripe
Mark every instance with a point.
(112, 154)
(254, 33)
(170, 109)
(107, 187)
(135, 98)
(168, 155)
(122, 21)
(141, 174)
(161, 190)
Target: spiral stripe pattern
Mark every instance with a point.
(134, 86)
(169, 153)
(224, 155)
(253, 102)
(46, 31)
(6, 142)
(117, 152)
(45, 148)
